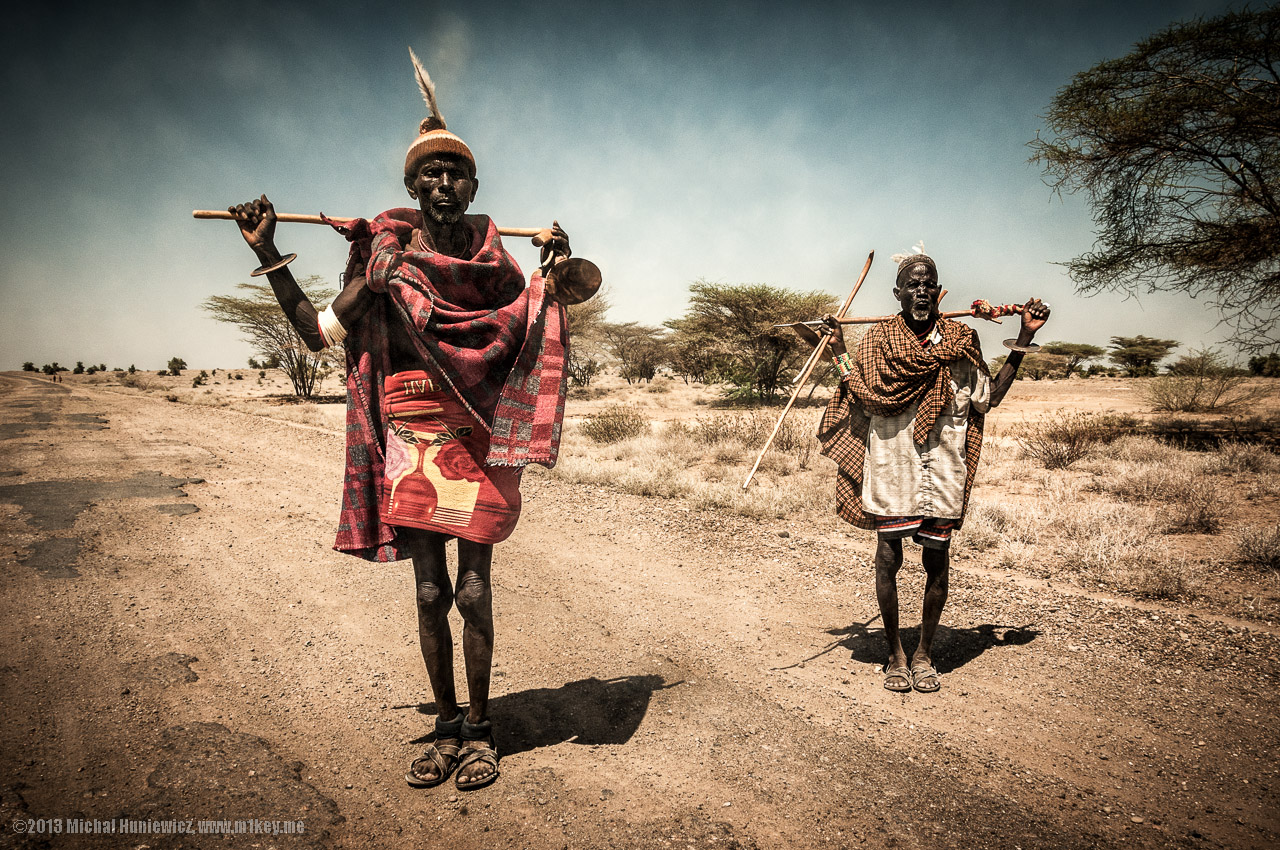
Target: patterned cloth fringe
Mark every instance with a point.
(893, 371)
(496, 345)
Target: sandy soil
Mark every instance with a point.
(180, 642)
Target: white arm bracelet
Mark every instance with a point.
(330, 328)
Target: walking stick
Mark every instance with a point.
(536, 233)
(980, 309)
(808, 369)
(573, 280)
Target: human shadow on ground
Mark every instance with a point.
(588, 711)
(952, 648)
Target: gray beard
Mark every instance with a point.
(444, 217)
(921, 313)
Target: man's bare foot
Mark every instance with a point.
(479, 765)
(434, 765)
(924, 676)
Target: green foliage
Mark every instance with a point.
(79, 370)
(1077, 353)
(586, 354)
(1139, 355)
(51, 368)
(29, 367)
(733, 325)
(176, 365)
(1177, 146)
(258, 315)
(1266, 365)
(132, 368)
(1039, 366)
(614, 424)
(690, 357)
(640, 349)
(1199, 382)
(1203, 361)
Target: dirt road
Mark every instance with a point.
(181, 643)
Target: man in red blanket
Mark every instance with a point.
(455, 381)
(905, 430)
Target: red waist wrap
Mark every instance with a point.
(435, 477)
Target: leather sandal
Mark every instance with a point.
(477, 748)
(898, 680)
(925, 678)
(443, 754)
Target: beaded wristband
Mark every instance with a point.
(844, 363)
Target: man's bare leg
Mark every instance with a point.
(475, 603)
(937, 563)
(434, 598)
(888, 563)
(474, 598)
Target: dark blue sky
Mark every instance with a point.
(674, 141)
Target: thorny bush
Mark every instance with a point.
(1068, 436)
(615, 423)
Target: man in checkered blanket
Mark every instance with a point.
(455, 381)
(905, 430)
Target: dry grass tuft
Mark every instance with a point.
(1068, 436)
(614, 424)
(1162, 577)
(1202, 509)
(704, 461)
(1140, 448)
(138, 381)
(1235, 457)
(1259, 547)
(1191, 502)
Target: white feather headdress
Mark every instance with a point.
(917, 250)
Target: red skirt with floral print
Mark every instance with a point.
(435, 475)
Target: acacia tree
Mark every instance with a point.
(690, 357)
(1177, 147)
(640, 349)
(1266, 365)
(1077, 353)
(1140, 354)
(268, 330)
(735, 324)
(586, 339)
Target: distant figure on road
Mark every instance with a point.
(455, 381)
(905, 430)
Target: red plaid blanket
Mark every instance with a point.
(497, 345)
(894, 371)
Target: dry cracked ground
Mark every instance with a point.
(181, 643)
